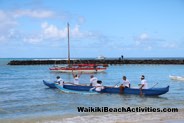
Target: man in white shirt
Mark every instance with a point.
(93, 80)
(59, 80)
(126, 82)
(99, 86)
(143, 85)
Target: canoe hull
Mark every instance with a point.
(49, 84)
(111, 90)
(114, 90)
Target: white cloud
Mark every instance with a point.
(147, 42)
(50, 31)
(6, 21)
(75, 32)
(2, 38)
(143, 37)
(149, 48)
(33, 39)
(53, 32)
(81, 20)
(170, 45)
(33, 13)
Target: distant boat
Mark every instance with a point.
(88, 68)
(85, 68)
(178, 78)
(101, 57)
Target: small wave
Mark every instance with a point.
(2, 111)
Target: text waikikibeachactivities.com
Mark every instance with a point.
(125, 109)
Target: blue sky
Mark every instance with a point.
(133, 28)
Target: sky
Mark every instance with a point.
(111, 28)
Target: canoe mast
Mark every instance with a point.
(68, 44)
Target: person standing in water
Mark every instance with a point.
(125, 84)
(143, 85)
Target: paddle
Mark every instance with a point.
(116, 84)
(154, 85)
(91, 89)
(99, 84)
(151, 87)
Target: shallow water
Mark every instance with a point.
(22, 93)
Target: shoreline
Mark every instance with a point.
(96, 61)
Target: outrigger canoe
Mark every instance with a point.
(49, 84)
(111, 90)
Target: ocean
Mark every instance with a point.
(24, 97)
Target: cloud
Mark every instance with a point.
(33, 13)
(170, 45)
(147, 42)
(2, 38)
(6, 21)
(81, 20)
(50, 31)
(143, 37)
(76, 33)
(33, 39)
(9, 22)
(148, 48)
(53, 32)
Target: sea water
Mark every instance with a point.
(23, 94)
